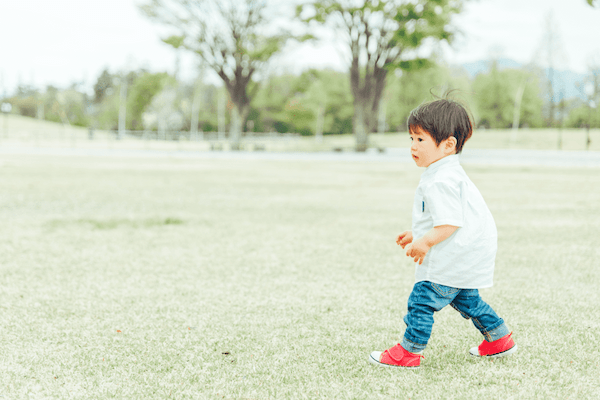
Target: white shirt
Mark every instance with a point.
(446, 196)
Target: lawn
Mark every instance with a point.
(189, 278)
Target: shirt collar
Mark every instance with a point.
(447, 161)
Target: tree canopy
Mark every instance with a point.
(381, 35)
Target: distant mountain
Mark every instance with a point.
(565, 83)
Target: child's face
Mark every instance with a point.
(424, 150)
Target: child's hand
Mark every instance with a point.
(418, 250)
(404, 238)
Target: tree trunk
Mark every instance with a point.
(221, 115)
(367, 90)
(381, 119)
(360, 128)
(235, 129)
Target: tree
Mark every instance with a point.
(291, 103)
(381, 35)
(496, 96)
(582, 115)
(72, 105)
(229, 37)
(330, 99)
(176, 42)
(103, 87)
(141, 92)
(411, 88)
(162, 113)
(550, 55)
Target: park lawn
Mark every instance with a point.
(188, 278)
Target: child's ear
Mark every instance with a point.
(451, 145)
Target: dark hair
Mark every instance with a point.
(442, 118)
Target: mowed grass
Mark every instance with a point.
(172, 278)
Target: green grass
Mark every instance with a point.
(171, 278)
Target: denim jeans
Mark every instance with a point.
(428, 297)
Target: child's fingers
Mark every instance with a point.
(401, 237)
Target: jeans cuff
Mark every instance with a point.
(497, 333)
(412, 346)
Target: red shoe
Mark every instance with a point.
(498, 348)
(396, 357)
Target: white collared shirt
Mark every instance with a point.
(446, 196)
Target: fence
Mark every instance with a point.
(198, 136)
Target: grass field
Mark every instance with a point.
(187, 278)
(31, 132)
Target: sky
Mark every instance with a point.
(61, 42)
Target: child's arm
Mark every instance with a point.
(419, 248)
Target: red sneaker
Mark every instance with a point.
(396, 357)
(498, 348)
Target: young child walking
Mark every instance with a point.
(453, 240)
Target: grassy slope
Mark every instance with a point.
(241, 279)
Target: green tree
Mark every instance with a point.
(329, 94)
(50, 107)
(72, 106)
(103, 86)
(140, 95)
(106, 114)
(291, 103)
(25, 101)
(68, 106)
(587, 113)
(496, 93)
(582, 115)
(381, 35)
(412, 88)
(229, 37)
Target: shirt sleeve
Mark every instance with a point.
(445, 204)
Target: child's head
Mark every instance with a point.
(442, 119)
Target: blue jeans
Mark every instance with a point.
(427, 297)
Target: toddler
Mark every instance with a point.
(453, 240)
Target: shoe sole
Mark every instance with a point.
(498, 355)
(380, 364)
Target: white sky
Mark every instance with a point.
(59, 42)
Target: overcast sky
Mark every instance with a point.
(58, 42)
